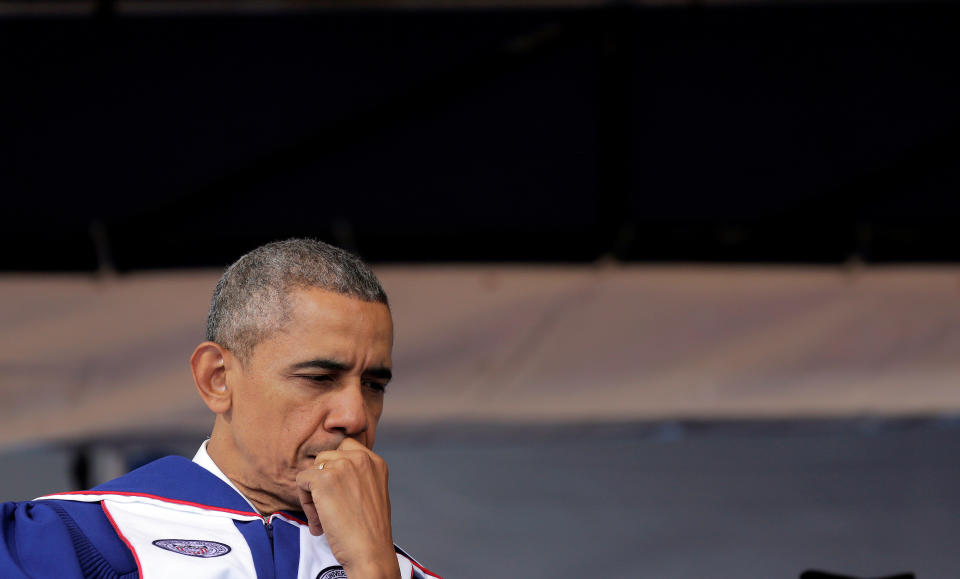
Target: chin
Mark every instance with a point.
(291, 504)
(286, 493)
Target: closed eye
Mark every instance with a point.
(378, 387)
(317, 377)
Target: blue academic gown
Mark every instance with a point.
(83, 534)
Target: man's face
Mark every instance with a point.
(303, 390)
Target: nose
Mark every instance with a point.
(347, 412)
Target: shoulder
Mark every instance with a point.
(175, 478)
(70, 535)
(53, 538)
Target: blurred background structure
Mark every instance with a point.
(675, 283)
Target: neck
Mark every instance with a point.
(265, 502)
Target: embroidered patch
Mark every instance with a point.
(336, 572)
(194, 547)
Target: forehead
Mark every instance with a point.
(321, 323)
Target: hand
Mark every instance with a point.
(348, 500)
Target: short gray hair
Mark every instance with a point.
(251, 300)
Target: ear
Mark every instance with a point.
(209, 364)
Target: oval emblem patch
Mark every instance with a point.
(193, 547)
(335, 572)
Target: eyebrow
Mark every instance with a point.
(381, 372)
(321, 364)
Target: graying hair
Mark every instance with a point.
(251, 300)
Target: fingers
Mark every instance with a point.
(309, 509)
(352, 444)
(350, 454)
(348, 499)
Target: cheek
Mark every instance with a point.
(275, 425)
(300, 424)
(374, 410)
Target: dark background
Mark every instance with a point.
(759, 133)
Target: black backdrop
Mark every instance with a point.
(803, 132)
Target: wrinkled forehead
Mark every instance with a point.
(319, 322)
(320, 306)
(318, 316)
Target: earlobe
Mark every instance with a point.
(209, 366)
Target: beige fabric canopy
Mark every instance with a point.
(83, 356)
